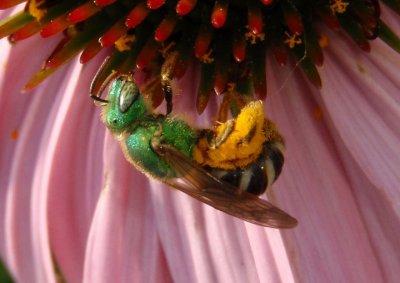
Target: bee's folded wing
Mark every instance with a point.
(203, 186)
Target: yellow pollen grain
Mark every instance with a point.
(317, 113)
(14, 134)
(361, 68)
(35, 10)
(339, 6)
(292, 40)
(124, 42)
(323, 41)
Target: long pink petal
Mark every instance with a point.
(123, 244)
(314, 188)
(365, 114)
(72, 173)
(26, 115)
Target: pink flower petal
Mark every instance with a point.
(123, 243)
(24, 114)
(72, 175)
(370, 135)
(314, 188)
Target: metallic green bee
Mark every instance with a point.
(163, 147)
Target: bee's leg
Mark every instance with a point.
(157, 138)
(99, 82)
(167, 72)
(166, 87)
(250, 135)
(216, 141)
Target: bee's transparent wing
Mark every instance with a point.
(203, 186)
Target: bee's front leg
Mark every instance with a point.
(167, 70)
(167, 89)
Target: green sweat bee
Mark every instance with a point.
(220, 166)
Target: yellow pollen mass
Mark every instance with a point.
(339, 6)
(239, 142)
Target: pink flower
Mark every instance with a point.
(70, 201)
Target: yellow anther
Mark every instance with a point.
(207, 58)
(36, 9)
(165, 50)
(252, 37)
(124, 42)
(338, 6)
(292, 40)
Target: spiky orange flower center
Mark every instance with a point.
(229, 38)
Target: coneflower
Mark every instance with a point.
(73, 209)
(229, 38)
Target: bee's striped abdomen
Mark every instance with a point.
(259, 175)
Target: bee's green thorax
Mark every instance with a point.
(179, 134)
(175, 132)
(125, 106)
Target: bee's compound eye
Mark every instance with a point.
(128, 95)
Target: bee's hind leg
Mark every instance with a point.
(216, 140)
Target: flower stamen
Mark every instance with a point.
(253, 38)
(36, 9)
(227, 37)
(207, 58)
(339, 6)
(124, 42)
(292, 40)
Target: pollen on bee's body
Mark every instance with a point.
(235, 144)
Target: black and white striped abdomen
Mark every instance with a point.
(259, 175)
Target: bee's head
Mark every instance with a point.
(123, 106)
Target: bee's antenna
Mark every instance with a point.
(95, 88)
(98, 99)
